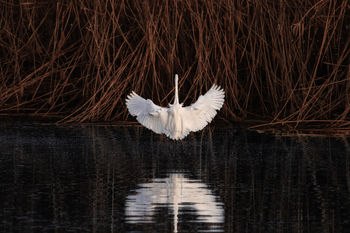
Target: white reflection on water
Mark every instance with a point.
(176, 191)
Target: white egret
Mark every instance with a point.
(176, 121)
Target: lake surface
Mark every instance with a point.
(127, 179)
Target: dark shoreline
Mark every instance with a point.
(257, 126)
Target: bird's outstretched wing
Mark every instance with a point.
(200, 113)
(147, 113)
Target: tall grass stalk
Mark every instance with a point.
(283, 62)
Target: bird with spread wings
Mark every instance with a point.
(176, 121)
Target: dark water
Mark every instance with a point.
(126, 179)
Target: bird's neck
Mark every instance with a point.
(176, 100)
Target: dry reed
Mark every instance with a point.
(283, 62)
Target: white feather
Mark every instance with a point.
(147, 113)
(176, 121)
(202, 112)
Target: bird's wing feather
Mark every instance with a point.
(147, 113)
(200, 113)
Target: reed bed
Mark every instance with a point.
(285, 63)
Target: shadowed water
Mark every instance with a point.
(126, 179)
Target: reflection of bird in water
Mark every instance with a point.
(176, 121)
(176, 191)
